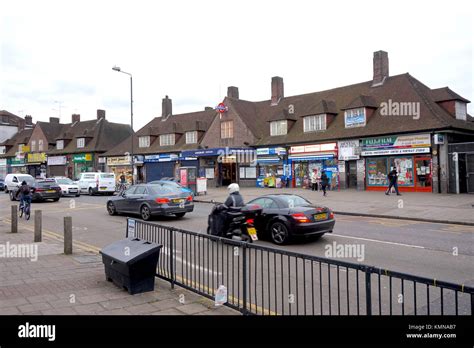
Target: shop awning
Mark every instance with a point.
(263, 160)
(310, 158)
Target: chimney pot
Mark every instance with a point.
(28, 120)
(54, 120)
(76, 118)
(233, 92)
(166, 107)
(277, 89)
(380, 66)
(100, 114)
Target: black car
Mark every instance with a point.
(287, 216)
(148, 200)
(42, 189)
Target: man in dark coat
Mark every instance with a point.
(393, 182)
(324, 182)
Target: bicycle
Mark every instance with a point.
(121, 187)
(25, 209)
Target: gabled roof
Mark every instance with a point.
(445, 94)
(50, 130)
(21, 137)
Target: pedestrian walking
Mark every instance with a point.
(393, 182)
(324, 183)
(314, 180)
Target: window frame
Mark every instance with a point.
(227, 132)
(352, 112)
(144, 141)
(60, 142)
(81, 143)
(280, 125)
(33, 145)
(320, 120)
(194, 137)
(169, 136)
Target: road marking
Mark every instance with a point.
(378, 241)
(192, 265)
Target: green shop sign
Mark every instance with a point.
(16, 161)
(379, 142)
(82, 158)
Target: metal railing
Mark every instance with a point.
(268, 281)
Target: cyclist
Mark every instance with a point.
(25, 194)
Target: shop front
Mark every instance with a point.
(17, 165)
(120, 165)
(306, 158)
(57, 166)
(272, 167)
(348, 155)
(3, 168)
(82, 163)
(158, 166)
(410, 155)
(36, 163)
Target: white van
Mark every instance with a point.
(13, 181)
(97, 183)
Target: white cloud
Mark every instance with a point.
(192, 50)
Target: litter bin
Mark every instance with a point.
(131, 264)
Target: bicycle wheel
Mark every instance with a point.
(27, 212)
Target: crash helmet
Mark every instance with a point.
(233, 188)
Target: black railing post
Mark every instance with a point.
(171, 256)
(244, 278)
(368, 291)
(126, 233)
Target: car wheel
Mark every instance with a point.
(55, 199)
(78, 195)
(145, 212)
(180, 215)
(111, 208)
(279, 233)
(91, 193)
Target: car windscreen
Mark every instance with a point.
(107, 176)
(162, 189)
(29, 180)
(294, 201)
(65, 181)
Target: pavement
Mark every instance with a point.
(48, 282)
(419, 206)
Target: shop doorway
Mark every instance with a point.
(463, 173)
(228, 173)
(422, 174)
(470, 172)
(351, 174)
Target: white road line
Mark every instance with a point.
(192, 265)
(378, 241)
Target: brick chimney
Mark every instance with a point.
(100, 114)
(28, 120)
(233, 92)
(54, 120)
(380, 68)
(166, 107)
(75, 118)
(277, 89)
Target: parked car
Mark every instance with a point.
(172, 183)
(68, 187)
(43, 189)
(288, 216)
(2, 184)
(97, 183)
(149, 200)
(13, 181)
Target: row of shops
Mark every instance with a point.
(361, 164)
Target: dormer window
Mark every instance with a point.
(3, 150)
(460, 110)
(191, 137)
(81, 142)
(144, 141)
(59, 144)
(166, 139)
(314, 123)
(278, 127)
(355, 118)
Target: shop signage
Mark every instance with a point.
(25, 148)
(221, 108)
(57, 160)
(348, 150)
(314, 148)
(81, 158)
(211, 152)
(165, 157)
(403, 141)
(118, 161)
(355, 118)
(408, 151)
(36, 157)
(271, 151)
(17, 161)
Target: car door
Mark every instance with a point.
(137, 198)
(122, 204)
(268, 206)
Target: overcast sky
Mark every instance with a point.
(61, 52)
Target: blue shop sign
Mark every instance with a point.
(211, 152)
(271, 151)
(164, 157)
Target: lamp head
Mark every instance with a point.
(116, 68)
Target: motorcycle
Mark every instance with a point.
(234, 223)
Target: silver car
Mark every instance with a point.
(149, 200)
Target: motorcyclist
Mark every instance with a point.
(25, 193)
(235, 199)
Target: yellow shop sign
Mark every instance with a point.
(36, 157)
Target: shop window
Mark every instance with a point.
(377, 171)
(81, 142)
(315, 123)
(60, 144)
(144, 141)
(278, 127)
(248, 172)
(191, 137)
(460, 110)
(33, 145)
(404, 167)
(166, 139)
(354, 118)
(227, 129)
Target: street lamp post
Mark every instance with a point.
(116, 68)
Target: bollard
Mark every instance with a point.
(68, 235)
(14, 219)
(38, 225)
